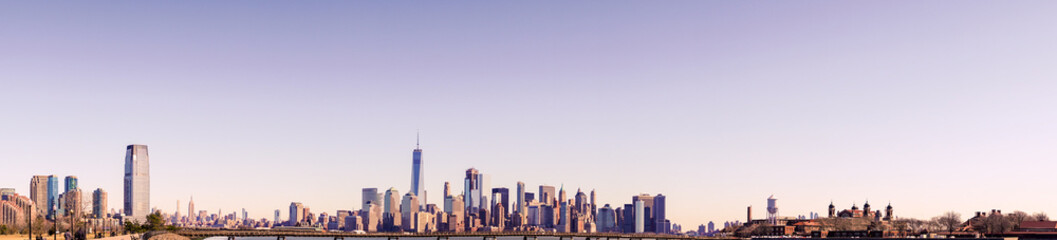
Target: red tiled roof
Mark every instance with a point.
(1039, 224)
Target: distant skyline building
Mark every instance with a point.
(521, 201)
(38, 193)
(296, 213)
(417, 173)
(546, 195)
(659, 215)
(476, 185)
(71, 183)
(99, 202)
(137, 182)
(640, 216)
(370, 195)
(53, 196)
(501, 196)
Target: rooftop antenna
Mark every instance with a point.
(416, 139)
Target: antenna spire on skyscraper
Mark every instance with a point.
(416, 138)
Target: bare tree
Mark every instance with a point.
(1040, 216)
(949, 221)
(1017, 217)
(993, 224)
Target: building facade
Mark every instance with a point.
(137, 183)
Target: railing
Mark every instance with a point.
(281, 235)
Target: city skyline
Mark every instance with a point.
(716, 105)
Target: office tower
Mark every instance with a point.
(564, 224)
(447, 189)
(498, 216)
(594, 208)
(409, 209)
(137, 182)
(547, 216)
(582, 205)
(99, 203)
(529, 198)
(38, 192)
(372, 217)
(71, 183)
(53, 195)
(277, 219)
(546, 195)
(711, 226)
(647, 205)
(191, 210)
(391, 216)
(416, 170)
(501, 196)
(640, 216)
(521, 202)
(245, 215)
(370, 195)
(561, 195)
(607, 219)
(659, 218)
(628, 220)
(296, 213)
(476, 185)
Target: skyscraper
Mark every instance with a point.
(296, 213)
(416, 170)
(474, 189)
(53, 195)
(502, 197)
(391, 217)
(640, 216)
(546, 195)
(38, 192)
(137, 182)
(99, 203)
(521, 202)
(659, 218)
(191, 210)
(370, 195)
(71, 183)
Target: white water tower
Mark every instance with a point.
(772, 210)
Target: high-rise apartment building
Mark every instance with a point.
(137, 182)
(99, 203)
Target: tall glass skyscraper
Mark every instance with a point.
(53, 195)
(137, 183)
(71, 183)
(417, 180)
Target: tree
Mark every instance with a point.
(155, 222)
(949, 221)
(1040, 216)
(1017, 217)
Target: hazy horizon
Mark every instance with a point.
(933, 106)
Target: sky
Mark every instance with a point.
(931, 106)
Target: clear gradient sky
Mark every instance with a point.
(930, 105)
